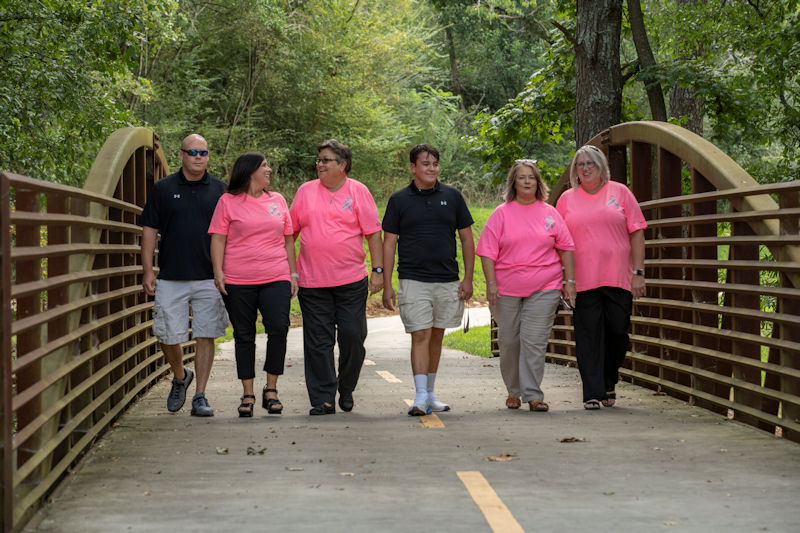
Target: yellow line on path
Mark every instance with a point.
(367, 362)
(429, 421)
(494, 510)
(388, 376)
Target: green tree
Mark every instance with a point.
(66, 67)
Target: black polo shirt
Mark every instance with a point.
(426, 223)
(181, 211)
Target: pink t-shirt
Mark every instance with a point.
(332, 227)
(522, 241)
(601, 225)
(255, 249)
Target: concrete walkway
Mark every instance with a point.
(650, 464)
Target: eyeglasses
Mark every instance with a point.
(324, 161)
(193, 153)
(531, 161)
(588, 165)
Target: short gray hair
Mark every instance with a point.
(596, 156)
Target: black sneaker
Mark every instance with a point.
(200, 405)
(177, 396)
(322, 409)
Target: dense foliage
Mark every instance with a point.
(487, 81)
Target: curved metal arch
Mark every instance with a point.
(115, 155)
(702, 156)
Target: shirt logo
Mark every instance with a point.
(347, 205)
(273, 210)
(549, 222)
(612, 201)
(176, 195)
(444, 202)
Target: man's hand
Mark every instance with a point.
(389, 298)
(637, 286)
(149, 283)
(491, 293)
(465, 289)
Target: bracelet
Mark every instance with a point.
(491, 283)
(569, 281)
(295, 275)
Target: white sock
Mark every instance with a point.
(433, 400)
(421, 384)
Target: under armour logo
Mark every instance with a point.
(176, 195)
(612, 201)
(549, 222)
(348, 204)
(444, 202)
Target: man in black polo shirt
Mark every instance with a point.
(180, 207)
(424, 218)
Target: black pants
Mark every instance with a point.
(243, 303)
(602, 322)
(331, 314)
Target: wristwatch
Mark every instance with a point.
(378, 270)
(638, 272)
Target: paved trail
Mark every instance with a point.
(650, 464)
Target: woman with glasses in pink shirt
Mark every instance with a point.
(526, 254)
(607, 225)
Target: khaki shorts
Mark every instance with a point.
(175, 300)
(429, 305)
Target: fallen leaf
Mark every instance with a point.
(294, 468)
(671, 523)
(608, 493)
(656, 449)
(157, 472)
(659, 393)
(253, 451)
(347, 474)
(248, 471)
(222, 451)
(505, 456)
(573, 439)
(146, 493)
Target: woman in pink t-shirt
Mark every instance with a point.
(608, 228)
(523, 248)
(252, 250)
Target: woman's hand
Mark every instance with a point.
(219, 282)
(638, 286)
(293, 282)
(569, 293)
(491, 292)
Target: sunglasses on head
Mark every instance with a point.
(193, 153)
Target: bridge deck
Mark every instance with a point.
(646, 465)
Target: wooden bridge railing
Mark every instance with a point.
(720, 326)
(76, 343)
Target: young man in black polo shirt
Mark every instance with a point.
(424, 218)
(180, 208)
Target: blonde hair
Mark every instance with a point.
(597, 157)
(510, 193)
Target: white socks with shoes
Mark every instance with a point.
(433, 401)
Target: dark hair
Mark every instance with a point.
(243, 168)
(421, 148)
(342, 151)
(511, 181)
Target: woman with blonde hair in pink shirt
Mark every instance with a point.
(526, 254)
(607, 225)
(252, 251)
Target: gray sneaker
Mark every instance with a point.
(200, 405)
(177, 396)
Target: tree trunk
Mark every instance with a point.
(598, 99)
(451, 47)
(682, 100)
(655, 94)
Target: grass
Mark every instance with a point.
(475, 341)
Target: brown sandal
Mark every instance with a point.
(538, 405)
(513, 403)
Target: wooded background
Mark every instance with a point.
(486, 81)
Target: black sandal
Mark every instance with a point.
(246, 408)
(610, 399)
(270, 403)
